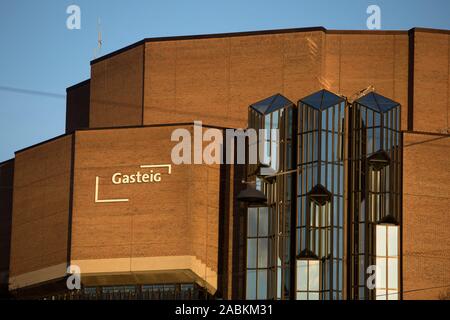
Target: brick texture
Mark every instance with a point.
(426, 201)
(41, 206)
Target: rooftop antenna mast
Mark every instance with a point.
(98, 50)
(361, 93)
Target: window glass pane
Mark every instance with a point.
(251, 284)
(392, 241)
(252, 222)
(302, 275)
(381, 241)
(300, 180)
(313, 296)
(336, 117)
(397, 118)
(369, 141)
(185, 287)
(393, 273)
(381, 273)
(289, 155)
(392, 295)
(335, 211)
(363, 116)
(336, 147)
(323, 174)
(342, 117)
(377, 118)
(377, 139)
(335, 242)
(262, 284)
(335, 269)
(323, 114)
(310, 176)
(329, 177)
(386, 145)
(330, 118)
(279, 286)
(381, 294)
(305, 148)
(258, 184)
(267, 126)
(275, 120)
(314, 273)
(362, 270)
(314, 146)
(251, 253)
(302, 296)
(288, 189)
(266, 146)
(262, 253)
(306, 126)
(362, 237)
(303, 237)
(323, 146)
(271, 253)
(330, 146)
(290, 119)
(263, 222)
(369, 118)
(90, 290)
(361, 293)
(274, 145)
(287, 282)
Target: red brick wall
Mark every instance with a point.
(426, 203)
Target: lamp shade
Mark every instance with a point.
(320, 195)
(389, 220)
(252, 196)
(379, 160)
(307, 255)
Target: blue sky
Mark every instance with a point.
(38, 52)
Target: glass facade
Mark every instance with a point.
(320, 202)
(375, 184)
(269, 256)
(179, 291)
(257, 252)
(387, 262)
(342, 162)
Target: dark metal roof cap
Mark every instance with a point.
(322, 100)
(271, 104)
(377, 102)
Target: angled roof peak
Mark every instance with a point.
(322, 99)
(377, 102)
(271, 104)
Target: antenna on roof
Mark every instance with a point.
(98, 50)
(361, 93)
